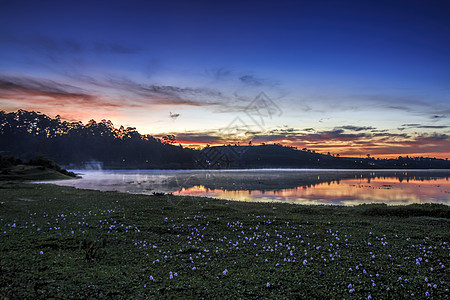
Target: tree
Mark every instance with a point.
(169, 139)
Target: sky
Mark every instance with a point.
(346, 77)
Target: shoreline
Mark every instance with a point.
(300, 187)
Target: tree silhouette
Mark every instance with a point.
(25, 134)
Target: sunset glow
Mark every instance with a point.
(346, 77)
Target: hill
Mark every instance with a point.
(278, 156)
(40, 168)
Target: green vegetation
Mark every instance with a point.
(59, 242)
(38, 168)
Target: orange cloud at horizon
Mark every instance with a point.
(382, 146)
(343, 150)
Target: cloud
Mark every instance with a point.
(351, 141)
(336, 141)
(399, 107)
(22, 87)
(409, 103)
(415, 125)
(253, 81)
(356, 128)
(434, 137)
(250, 80)
(222, 74)
(411, 125)
(166, 94)
(340, 141)
(114, 92)
(438, 117)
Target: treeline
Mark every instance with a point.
(74, 144)
(26, 134)
(278, 156)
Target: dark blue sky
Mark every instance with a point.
(328, 65)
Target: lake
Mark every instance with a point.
(299, 186)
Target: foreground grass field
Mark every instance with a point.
(59, 242)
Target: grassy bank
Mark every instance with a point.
(59, 242)
(38, 168)
(25, 173)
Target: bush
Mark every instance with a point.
(6, 162)
(412, 210)
(47, 162)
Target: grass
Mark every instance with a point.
(60, 242)
(31, 172)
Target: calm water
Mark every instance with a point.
(341, 187)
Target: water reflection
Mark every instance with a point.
(345, 192)
(341, 187)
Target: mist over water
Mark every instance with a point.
(300, 186)
(93, 165)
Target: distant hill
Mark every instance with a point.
(26, 134)
(278, 156)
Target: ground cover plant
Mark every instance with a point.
(59, 242)
(37, 168)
